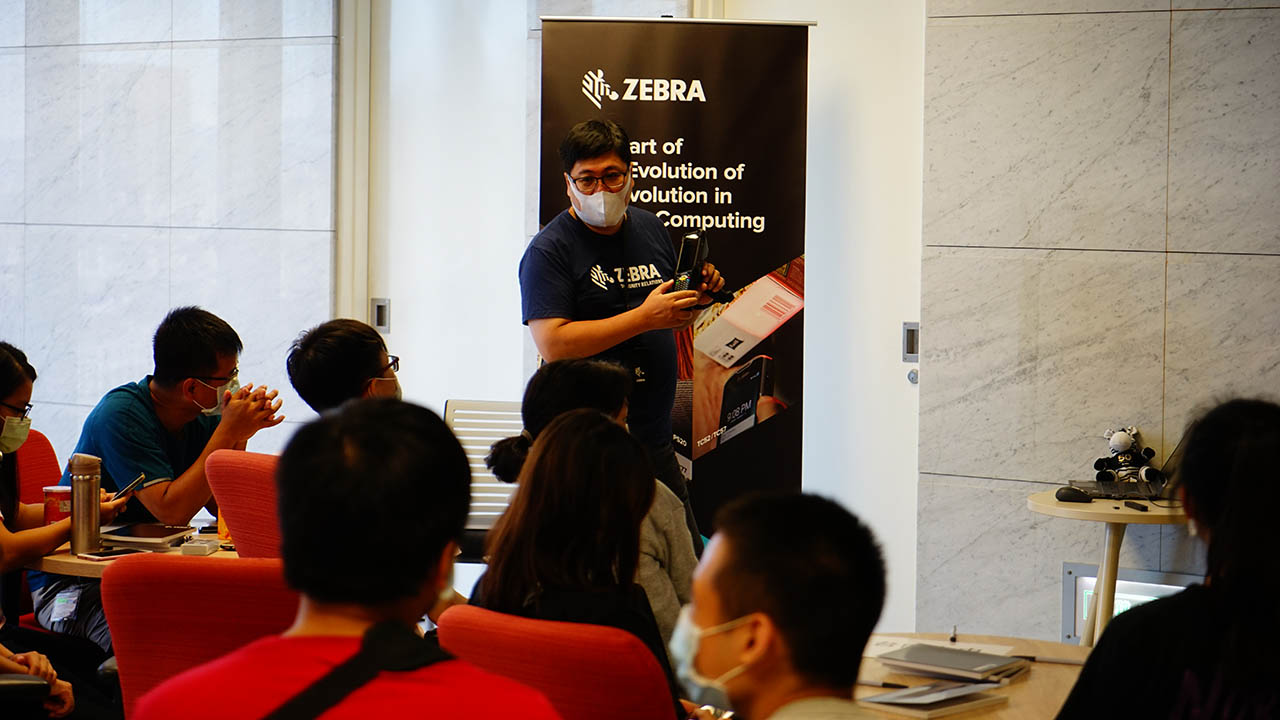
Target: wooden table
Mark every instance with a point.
(62, 562)
(1037, 695)
(1116, 517)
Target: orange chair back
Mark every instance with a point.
(586, 671)
(170, 613)
(37, 467)
(244, 484)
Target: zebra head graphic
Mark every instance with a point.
(599, 277)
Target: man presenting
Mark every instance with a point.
(597, 282)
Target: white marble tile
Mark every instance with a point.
(12, 133)
(76, 22)
(1215, 4)
(1223, 333)
(13, 23)
(269, 285)
(97, 135)
(60, 422)
(247, 19)
(1046, 131)
(12, 262)
(93, 298)
(991, 566)
(1028, 356)
(253, 125)
(1224, 136)
(936, 8)
(1181, 553)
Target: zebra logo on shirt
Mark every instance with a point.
(600, 277)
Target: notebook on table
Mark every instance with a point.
(148, 536)
(950, 662)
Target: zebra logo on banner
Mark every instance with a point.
(596, 89)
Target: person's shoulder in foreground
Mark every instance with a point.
(771, 637)
(393, 476)
(260, 677)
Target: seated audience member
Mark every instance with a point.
(396, 482)
(342, 359)
(567, 547)
(70, 664)
(163, 426)
(1210, 650)
(784, 599)
(666, 548)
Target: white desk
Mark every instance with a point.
(1116, 517)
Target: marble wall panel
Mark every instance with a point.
(1224, 134)
(1046, 131)
(93, 298)
(991, 566)
(11, 287)
(1223, 333)
(75, 22)
(1029, 356)
(13, 23)
(60, 422)
(249, 19)
(1181, 553)
(941, 8)
(269, 285)
(97, 135)
(1216, 4)
(614, 8)
(253, 134)
(12, 133)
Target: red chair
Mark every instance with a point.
(37, 467)
(586, 671)
(170, 613)
(244, 484)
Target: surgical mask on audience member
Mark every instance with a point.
(233, 385)
(602, 208)
(14, 434)
(397, 394)
(685, 640)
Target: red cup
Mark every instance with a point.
(57, 503)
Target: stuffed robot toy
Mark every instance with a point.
(1129, 460)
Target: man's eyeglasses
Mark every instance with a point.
(235, 373)
(613, 182)
(24, 410)
(393, 365)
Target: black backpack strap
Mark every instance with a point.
(386, 646)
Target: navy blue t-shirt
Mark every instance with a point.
(571, 272)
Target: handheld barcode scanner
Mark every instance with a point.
(689, 263)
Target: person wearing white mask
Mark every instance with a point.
(784, 601)
(68, 664)
(163, 427)
(597, 282)
(341, 360)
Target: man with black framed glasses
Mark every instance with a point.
(164, 427)
(597, 282)
(340, 360)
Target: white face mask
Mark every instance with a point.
(233, 385)
(685, 640)
(14, 434)
(602, 208)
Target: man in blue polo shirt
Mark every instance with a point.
(597, 282)
(164, 426)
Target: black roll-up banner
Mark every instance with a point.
(716, 116)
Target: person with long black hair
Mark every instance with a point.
(68, 663)
(666, 550)
(1210, 650)
(568, 546)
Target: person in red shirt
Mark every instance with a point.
(390, 480)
